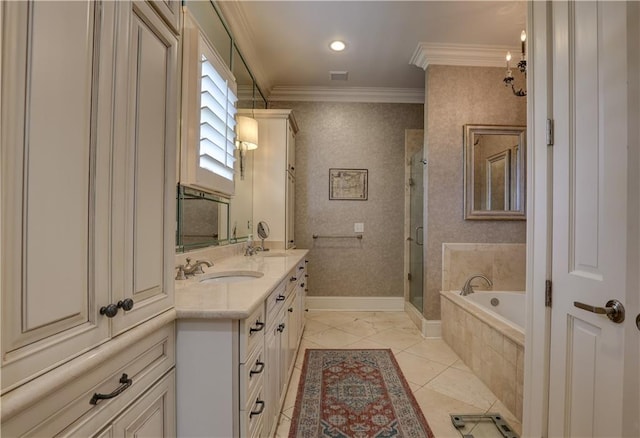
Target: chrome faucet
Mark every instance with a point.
(468, 287)
(189, 269)
(250, 250)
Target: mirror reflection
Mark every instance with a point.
(206, 219)
(203, 219)
(494, 172)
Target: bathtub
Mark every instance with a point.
(486, 330)
(508, 307)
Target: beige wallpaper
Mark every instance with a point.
(456, 96)
(361, 136)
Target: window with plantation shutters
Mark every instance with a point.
(208, 115)
(217, 122)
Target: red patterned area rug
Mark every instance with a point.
(355, 394)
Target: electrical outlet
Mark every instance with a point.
(358, 227)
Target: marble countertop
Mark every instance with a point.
(234, 300)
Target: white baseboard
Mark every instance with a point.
(395, 304)
(429, 328)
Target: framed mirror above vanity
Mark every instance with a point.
(494, 172)
(208, 216)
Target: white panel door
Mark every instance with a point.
(144, 195)
(588, 375)
(56, 114)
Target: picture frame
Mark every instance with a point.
(348, 184)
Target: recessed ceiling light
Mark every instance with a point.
(337, 46)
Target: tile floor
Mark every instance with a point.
(441, 382)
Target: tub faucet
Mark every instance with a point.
(468, 287)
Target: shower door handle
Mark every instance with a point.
(418, 240)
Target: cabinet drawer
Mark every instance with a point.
(144, 363)
(251, 374)
(251, 420)
(251, 333)
(276, 300)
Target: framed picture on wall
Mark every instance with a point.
(348, 184)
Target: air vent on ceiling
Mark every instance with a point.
(339, 75)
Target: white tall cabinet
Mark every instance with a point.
(274, 174)
(89, 131)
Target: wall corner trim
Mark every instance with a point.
(471, 55)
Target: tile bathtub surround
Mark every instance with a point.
(495, 356)
(440, 381)
(503, 263)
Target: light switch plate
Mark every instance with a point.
(358, 227)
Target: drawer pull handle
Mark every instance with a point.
(258, 370)
(290, 310)
(281, 327)
(125, 383)
(280, 298)
(259, 327)
(302, 285)
(306, 275)
(260, 409)
(300, 268)
(292, 279)
(126, 304)
(110, 311)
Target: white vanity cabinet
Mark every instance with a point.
(220, 376)
(274, 174)
(89, 131)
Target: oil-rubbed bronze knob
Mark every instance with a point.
(126, 304)
(109, 311)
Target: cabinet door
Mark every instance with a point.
(153, 415)
(55, 162)
(170, 11)
(271, 378)
(290, 209)
(293, 330)
(144, 172)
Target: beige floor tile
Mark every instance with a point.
(463, 386)
(366, 344)
(413, 386)
(288, 412)
(395, 338)
(418, 370)
(335, 319)
(460, 365)
(283, 427)
(292, 390)
(332, 338)
(359, 327)
(315, 326)
(437, 407)
(434, 349)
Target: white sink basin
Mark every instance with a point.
(231, 277)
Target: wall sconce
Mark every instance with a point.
(246, 139)
(522, 66)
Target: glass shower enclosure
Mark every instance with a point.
(416, 224)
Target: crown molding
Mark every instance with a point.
(427, 54)
(347, 94)
(236, 19)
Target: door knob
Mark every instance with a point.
(126, 304)
(638, 321)
(613, 309)
(110, 311)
